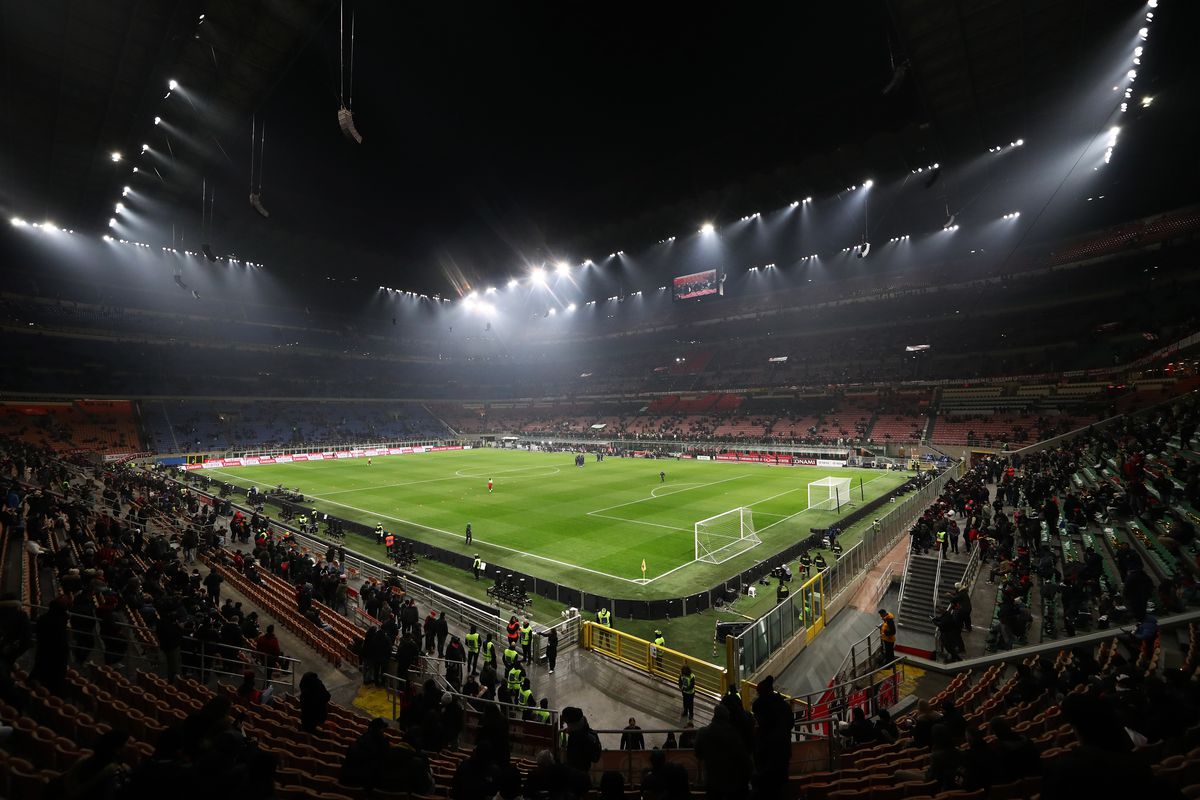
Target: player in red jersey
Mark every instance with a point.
(489, 485)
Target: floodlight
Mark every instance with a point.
(1146, 101)
(145, 147)
(112, 222)
(17, 222)
(125, 192)
(115, 156)
(512, 283)
(119, 207)
(538, 274)
(172, 85)
(553, 311)
(571, 307)
(158, 120)
(562, 267)
(491, 290)
(707, 228)
(868, 183)
(106, 238)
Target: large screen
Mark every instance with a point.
(698, 284)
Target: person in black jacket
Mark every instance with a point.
(314, 702)
(366, 758)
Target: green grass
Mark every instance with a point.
(587, 528)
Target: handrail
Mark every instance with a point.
(937, 577)
(904, 577)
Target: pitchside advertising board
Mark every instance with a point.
(698, 284)
(779, 458)
(329, 455)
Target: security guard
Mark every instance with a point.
(389, 542)
(806, 562)
(516, 675)
(604, 617)
(887, 635)
(510, 656)
(659, 643)
(942, 544)
(687, 686)
(513, 630)
(819, 563)
(477, 565)
(527, 642)
(472, 640)
(379, 532)
(525, 695)
(489, 651)
(542, 714)
(782, 591)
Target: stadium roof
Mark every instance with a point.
(493, 137)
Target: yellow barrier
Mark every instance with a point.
(662, 662)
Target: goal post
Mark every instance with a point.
(724, 536)
(829, 493)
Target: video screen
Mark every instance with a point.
(698, 284)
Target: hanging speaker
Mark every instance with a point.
(256, 204)
(346, 123)
(208, 253)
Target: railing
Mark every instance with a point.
(805, 611)
(877, 689)
(661, 662)
(196, 656)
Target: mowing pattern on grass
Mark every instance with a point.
(587, 527)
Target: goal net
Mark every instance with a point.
(829, 493)
(726, 535)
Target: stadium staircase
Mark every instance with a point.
(916, 598)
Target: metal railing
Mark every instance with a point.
(804, 612)
(196, 656)
(661, 662)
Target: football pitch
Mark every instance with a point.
(586, 527)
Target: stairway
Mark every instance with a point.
(916, 605)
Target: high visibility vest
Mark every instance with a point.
(477, 563)
(513, 631)
(941, 536)
(378, 530)
(489, 652)
(659, 641)
(526, 635)
(542, 715)
(389, 540)
(473, 642)
(510, 655)
(888, 623)
(602, 616)
(784, 591)
(514, 679)
(526, 695)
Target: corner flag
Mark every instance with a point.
(643, 569)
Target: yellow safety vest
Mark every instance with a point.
(687, 683)
(526, 635)
(473, 642)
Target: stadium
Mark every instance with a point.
(659, 402)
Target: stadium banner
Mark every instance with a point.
(781, 459)
(254, 461)
(704, 458)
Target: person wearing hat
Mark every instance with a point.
(656, 650)
(477, 563)
(887, 635)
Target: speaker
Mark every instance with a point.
(208, 253)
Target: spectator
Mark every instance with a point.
(726, 759)
(773, 747)
(367, 758)
(583, 745)
(860, 731)
(314, 702)
(53, 648)
(631, 737)
(665, 780)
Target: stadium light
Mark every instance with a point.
(17, 222)
(490, 290)
(808, 199)
(119, 207)
(553, 311)
(562, 267)
(172, 84)
(115, 155)
(538, 274)
(112, 222)
(1146, 101)
(1012, 215)
(125, 192)
(145, 147)
(512, 283)
(158, 120)
(571, 307)
(106, 238)
(707, 228)
(868, 183)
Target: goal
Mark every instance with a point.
(726, 535)
(829, 493)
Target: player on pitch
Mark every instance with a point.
(489, 485)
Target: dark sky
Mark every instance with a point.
(491, 136)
